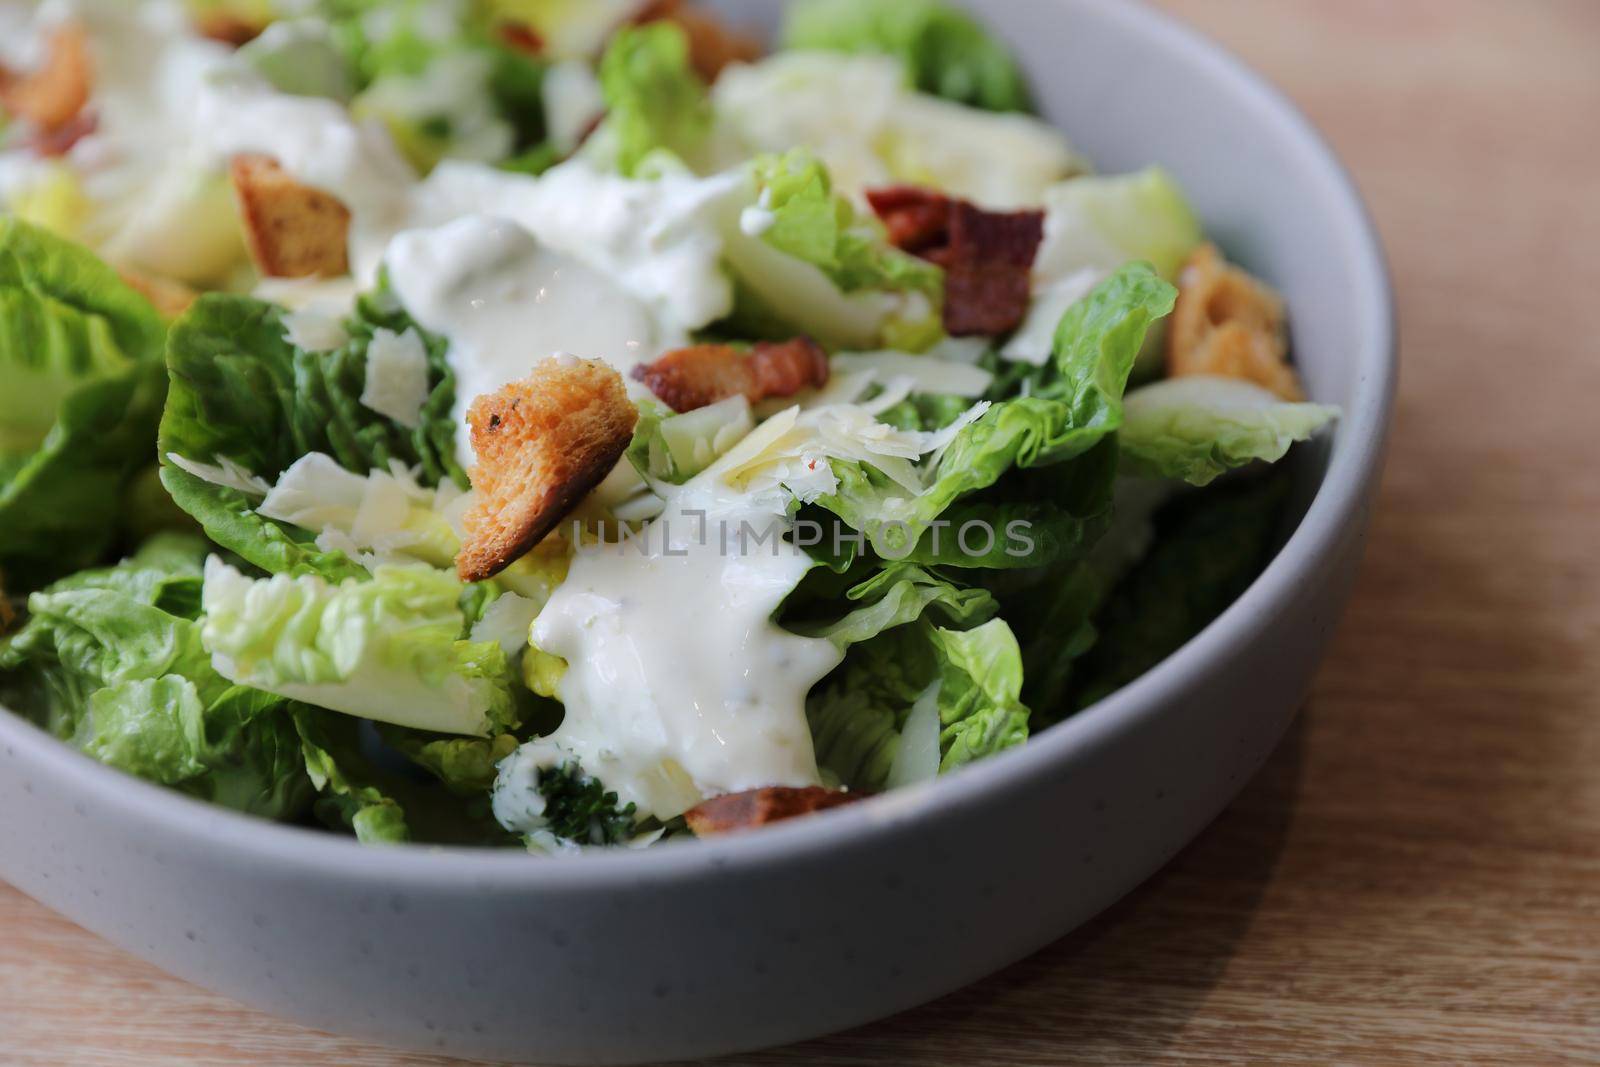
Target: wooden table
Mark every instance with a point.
(1415, 877)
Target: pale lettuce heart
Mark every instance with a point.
(388, 649)
(1198, 427)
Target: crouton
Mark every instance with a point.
(170, 298)
(292, 229)
(53, 95)
(542, 444)
(755, 808)
(228, 27)
(696, 377)
(1230, 324)
(712, 45)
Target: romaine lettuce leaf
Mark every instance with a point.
(111, 662)
(806, 219)
(1066, 409)
(242, 394)
(653, 96)
(80, 357)
(1208, 548)
(390, 649)
(944, 50)
(973, 677)
(1104, 221)
(1199, 427)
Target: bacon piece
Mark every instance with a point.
(987, 255)
(917, 219)
(1230, 324)
(293, 230)
(542, 444)
(712, 45)
(521, 37)
(53, 95)
(228, 28)
(691, 378)
(756, 808)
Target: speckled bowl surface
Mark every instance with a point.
(711, 947)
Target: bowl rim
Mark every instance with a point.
(1355, 463)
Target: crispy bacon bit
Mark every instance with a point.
(228, 28)
(1230, 324)
(293, 230)
(755, 808)
(712, 45)
(521, 37)
(51, 144)
(918, 219)
(542, 444)
(987, 255)
(695, 377)
(52, 96)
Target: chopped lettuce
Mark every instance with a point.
(1066, 409)
(1208, 548)
(389, 649)
(80, 357)
(806, 260)
(859, 713)
(944, 50)
(1103, 222)
(653, 96)
(859, 116)
(1197, 428)
(804, 217)
(244, 398)
(111, 662)
(673, 448)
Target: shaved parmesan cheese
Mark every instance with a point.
(224, 472)
(926, 374)
(397, 376)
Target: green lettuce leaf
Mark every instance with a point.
(1104, 221)
(242, 394)
(812, 223)
(944, 50)
(1068, 407)
(390, 649)
(1197, 428)
(111, 662)
(78, 354)
(654, 98)
(1209, 546)
(972, 679)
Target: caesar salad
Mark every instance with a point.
(559, 424)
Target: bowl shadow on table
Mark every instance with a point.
(1118, 988)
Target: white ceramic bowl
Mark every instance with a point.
(831, 921)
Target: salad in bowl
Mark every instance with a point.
(561, 425)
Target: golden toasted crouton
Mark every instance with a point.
(52, 96)
(170, 298)
(293, 230)
(542, 443)
(759, 807)
(712, 45)
(1230, 324)
(228, 27)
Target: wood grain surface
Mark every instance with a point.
(1415, 877)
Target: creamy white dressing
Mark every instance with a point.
(661, 239)
(679, 685)
(505, 301)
